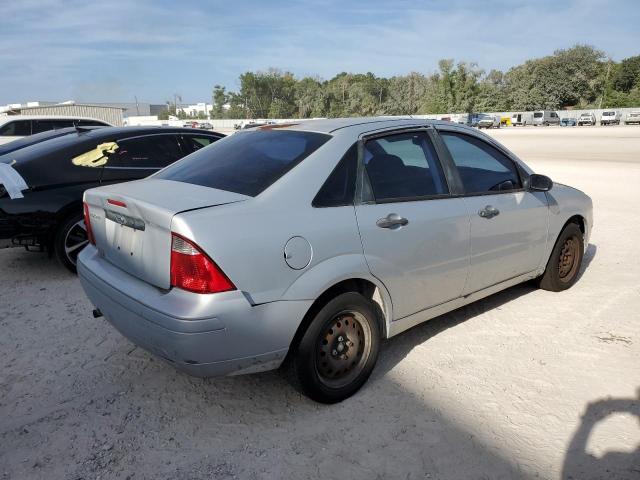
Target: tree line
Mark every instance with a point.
(578, 77)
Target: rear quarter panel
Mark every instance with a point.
(247, 239)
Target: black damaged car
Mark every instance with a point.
(41, 185)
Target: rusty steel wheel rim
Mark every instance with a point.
(343, 349)
(568, 261)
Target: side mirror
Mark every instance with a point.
(540, 183)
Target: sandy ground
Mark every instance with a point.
(525, 384)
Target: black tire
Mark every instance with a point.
(70, 239)
(564, 263)
(347, 323)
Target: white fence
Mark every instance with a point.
(229, 124)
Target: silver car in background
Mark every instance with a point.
(303, 245)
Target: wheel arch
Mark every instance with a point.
(61, 215)
(578, 220)
(367, 287)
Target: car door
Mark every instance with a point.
(508, 223)
(415, 234)
(141, 156)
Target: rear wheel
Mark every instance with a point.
(70, 239)
(565, 261)
(339, 349)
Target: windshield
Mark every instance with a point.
(247, 162)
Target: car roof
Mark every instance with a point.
(10, 118)
(355, 125)
(145, 130)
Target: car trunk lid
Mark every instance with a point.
(131, 222)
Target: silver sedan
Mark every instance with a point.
(303, 245)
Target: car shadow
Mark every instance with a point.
(119, 412)
(582, 465)
(398, 347)
(395, 349)
(589, 255)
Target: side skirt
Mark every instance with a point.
(406, 323)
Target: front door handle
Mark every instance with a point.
(392, 221)
(489, 212)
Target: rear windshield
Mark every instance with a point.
(609, 114)
(247, 162)
(537, 114)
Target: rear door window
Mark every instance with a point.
(148, 152)
(17, 128)
(482, 167)
(246, 162)
(403, 167)
(193, 143)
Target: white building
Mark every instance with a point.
(196, 109)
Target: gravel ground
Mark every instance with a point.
(524, 384)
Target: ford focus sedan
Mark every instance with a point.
(304, 245)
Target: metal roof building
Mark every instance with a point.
(109, 114)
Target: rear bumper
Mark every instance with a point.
(202, 335)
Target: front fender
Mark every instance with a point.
(564, 203)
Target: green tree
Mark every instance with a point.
(220, 99)
(627, 75)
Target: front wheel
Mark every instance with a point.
(70, 239)
(565, 260)
(339, 349)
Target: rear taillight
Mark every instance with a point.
(193, 270)
(87, 223)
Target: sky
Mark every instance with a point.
(115, 50)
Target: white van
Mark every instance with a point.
(523, 119)
(546, 118)
(610, 117)
(13, 127)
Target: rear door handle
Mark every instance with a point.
(489, 212)
(392, 221)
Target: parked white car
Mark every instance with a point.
(632, 117)
(610, 117)
(13, 127)
(586, 119)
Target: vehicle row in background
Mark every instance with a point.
(14, 127)
(201, 125)
(41, 185)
